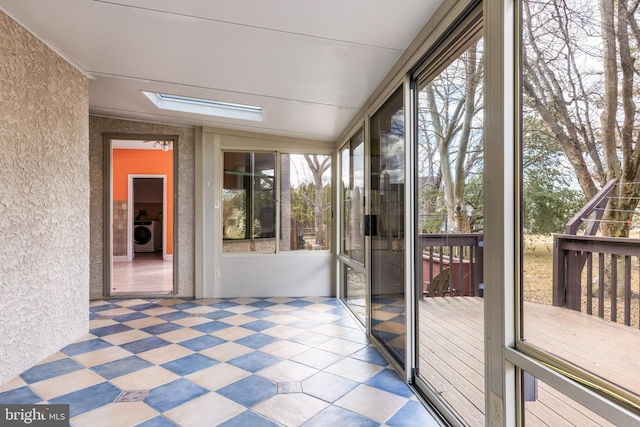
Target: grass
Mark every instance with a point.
(538, 269)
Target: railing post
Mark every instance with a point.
(559, 274)
(480, 266)
(573, 280)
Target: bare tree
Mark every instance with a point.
(318, 166)
(579, 74)
(453, 101)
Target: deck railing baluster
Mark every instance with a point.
(614, 287)
(590, 284)
(627, 290)
(601, 285)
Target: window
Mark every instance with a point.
(305, 200)
(352, 225)
(249, 203)
(352, 158)
(580, 161)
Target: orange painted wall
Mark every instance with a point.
(159, 162)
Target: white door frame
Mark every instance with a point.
(130, 220)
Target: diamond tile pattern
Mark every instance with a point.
(221, 361)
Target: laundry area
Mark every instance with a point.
(147, 210)
(142, 201)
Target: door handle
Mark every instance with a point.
(370, 225)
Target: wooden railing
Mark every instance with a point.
(595, 267)
(451, 264)
(586, 267)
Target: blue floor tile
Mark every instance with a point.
(50, 370)
(85, 400)
(142, 307)
(103, 307)
(220, 314)
(145, 344)
(110, 330)
(299, 303)
(223, 304)
(212, 326)
(85, 347)
(262, 304)
(175, 393)
(161, 328)
(130, 316)
(157, 422)
(336, 416)
(254, 361)
(185, 306)
(249, 419)
(412, 414)
(249, 391)
(202, 343)
(259, 314)
(388, 380)
(19, 396)
(121, 367)
(256, 341)
(259, 325)
(173, 316)
(189, 364)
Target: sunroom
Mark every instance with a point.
(475, 212)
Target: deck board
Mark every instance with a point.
(451, 356)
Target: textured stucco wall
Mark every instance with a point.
(44, 201)
(185, 243)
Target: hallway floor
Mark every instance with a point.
(230, 362)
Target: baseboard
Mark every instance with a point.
(168, 257)
(120, 258)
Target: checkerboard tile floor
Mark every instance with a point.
(229, 362)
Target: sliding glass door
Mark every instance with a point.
(385, 225)
(449, 222)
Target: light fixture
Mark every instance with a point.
(163, 145)
(208, 107)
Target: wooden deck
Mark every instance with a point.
(451, 360)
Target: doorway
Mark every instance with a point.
(141, 212)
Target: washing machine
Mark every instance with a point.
(144, 236)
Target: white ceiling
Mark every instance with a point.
(311, 65)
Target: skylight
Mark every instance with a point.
(208, 107)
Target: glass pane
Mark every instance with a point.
(450, 217)
(546, 406)
(356, 291)
(580, 192)
(249, 207)
(388, 322)
(352, 157)
(345, 199)
(305, 200)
